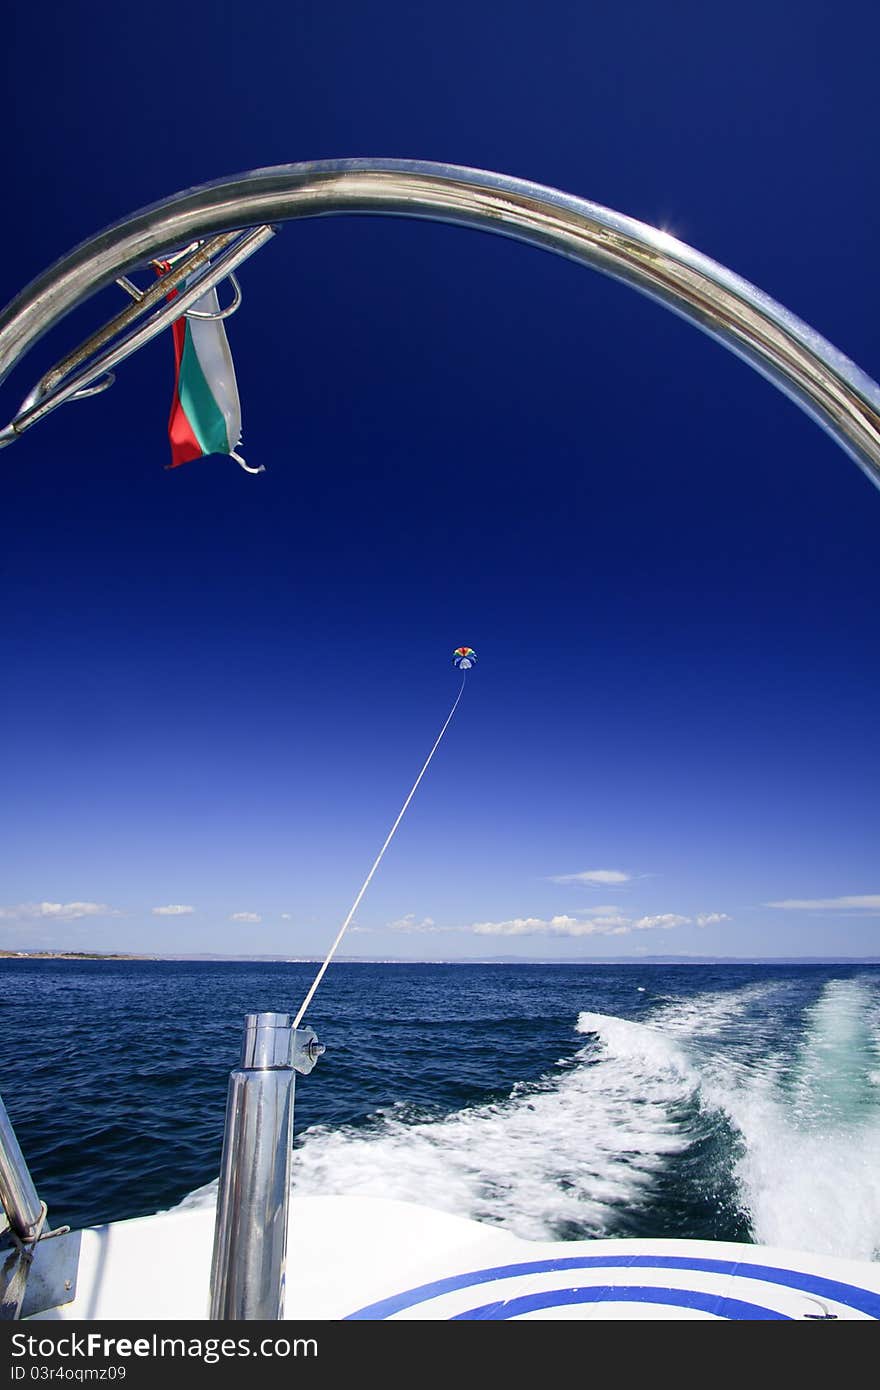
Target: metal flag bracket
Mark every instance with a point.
(137, 293)
(87, 371)
(221, 313)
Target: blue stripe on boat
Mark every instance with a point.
(732, 1308)
(863, 1300)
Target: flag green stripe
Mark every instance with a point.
(201, 409)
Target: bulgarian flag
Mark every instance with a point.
(205, 412)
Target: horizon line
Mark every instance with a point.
(280, 959)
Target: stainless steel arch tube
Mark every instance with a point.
(825, 383)
(250, 1231)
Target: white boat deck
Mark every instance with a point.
(378, 1259)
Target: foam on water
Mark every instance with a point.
(572, 1153)
(809, 1173)
(808, 1115)
(561, 1154)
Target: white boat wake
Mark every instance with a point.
(606, 1132)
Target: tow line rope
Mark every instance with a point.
(366, 883)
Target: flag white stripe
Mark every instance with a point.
(215, 359)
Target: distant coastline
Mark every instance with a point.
(207, 957)
(73, 955)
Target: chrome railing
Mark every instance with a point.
(791, 354)
(18, 1196)
(38, 1266)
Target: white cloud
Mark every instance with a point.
(285, 916)
(600, 922)
(245, 917)
(593, 876)
(538, 926)
(663, 920)
(867, 902)
(708, 919)
(57, 912)
(409, 923)
(172, 910)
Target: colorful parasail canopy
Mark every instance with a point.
(205, 411)
(464, 658)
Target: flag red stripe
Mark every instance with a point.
(184, 445)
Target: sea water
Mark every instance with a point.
(728, 1102)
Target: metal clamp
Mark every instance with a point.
(306, 1050)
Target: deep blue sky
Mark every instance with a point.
(217, 689)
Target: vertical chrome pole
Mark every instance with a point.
(250, 1236)
(24, 1210)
